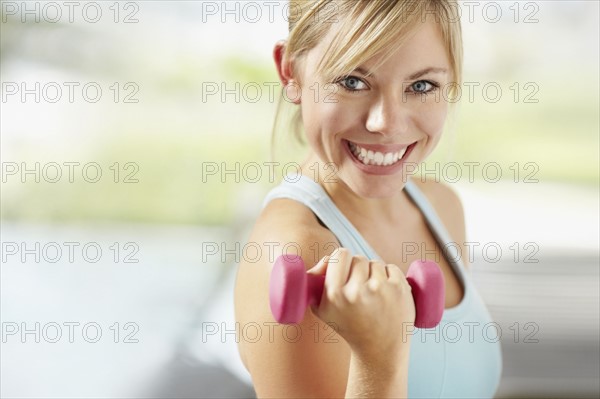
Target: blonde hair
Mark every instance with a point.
(366, 28)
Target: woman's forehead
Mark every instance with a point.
(422, 44)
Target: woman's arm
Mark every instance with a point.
(385, 377)
(304, 360)
(311, 359)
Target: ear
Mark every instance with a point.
(284, 70)
(284, 67)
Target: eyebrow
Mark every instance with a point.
(415, 75)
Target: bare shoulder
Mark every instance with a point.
(443, 197)
(301, 360)
(446, 202)
(294, 227)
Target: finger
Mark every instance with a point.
(321, 267)
(394, 273)
(359, 270)
(378, 276)
(378, 270)
(338, 268)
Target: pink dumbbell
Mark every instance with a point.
(292, 290)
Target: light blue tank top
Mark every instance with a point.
(461, 357)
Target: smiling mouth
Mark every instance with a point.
(378, 158)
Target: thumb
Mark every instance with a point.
(321, 267)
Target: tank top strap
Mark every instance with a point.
(303, 189)
(437, 228)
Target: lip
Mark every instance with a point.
(380, 169)
(382, 147)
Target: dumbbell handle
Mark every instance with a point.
(314, 289)
(292, 290)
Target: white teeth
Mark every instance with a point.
(387, 160)
(401, 153)
(369, 157)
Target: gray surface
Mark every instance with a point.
(185, 377)
(559, 296)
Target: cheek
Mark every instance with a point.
(324, 120)
(432, 118)
(341, 117)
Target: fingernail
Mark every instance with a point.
(321, 262)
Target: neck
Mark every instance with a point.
(357, 208)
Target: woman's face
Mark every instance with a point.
(378, 128)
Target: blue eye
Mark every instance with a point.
(422, 86)
(351, 83)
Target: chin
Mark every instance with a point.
(376, 187)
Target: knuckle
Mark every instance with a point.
(378, 265)
(350, 295)
(374, 285)
(339, 255)
(360, 259)
(335, 295)
(343, 251)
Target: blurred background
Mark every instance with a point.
(131, 137)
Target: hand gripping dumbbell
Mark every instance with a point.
(292, 290)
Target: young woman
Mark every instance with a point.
(372, 82)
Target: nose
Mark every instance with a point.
(388, 116)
